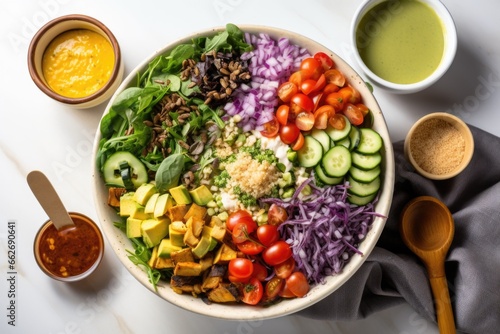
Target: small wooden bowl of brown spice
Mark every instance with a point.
(439, 146)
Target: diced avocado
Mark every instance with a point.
(166, 248)
(150, 205)
(138, 213)
(201, 195)
(291, 155)
(163, 203)
(288, 193)
(204, 244)
(176, 231)
(287, 179)
(154, 256)
(127, 204)
(153, 231)
(181, 195)
(213, 244)
(133, 227)
(144, 192)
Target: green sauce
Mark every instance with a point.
(401, 41)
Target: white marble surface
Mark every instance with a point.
(37, 133)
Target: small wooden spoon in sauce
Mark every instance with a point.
(49, 200)
(427, 228)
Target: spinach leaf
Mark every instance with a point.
(167, 175)
(127, 98)
(217, 42)
(237, 39)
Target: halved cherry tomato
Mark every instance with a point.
(289, 133)
(259, 271)
(276, 215)
(252, 292)
(250, 247)
(330, 88)
(350, 94)
(307, 86)
(240, 268)
(320, 83)
(271, 128)
(363, 108)
(277, 253)
(311, 68)
(305, 120)
(337, 121)
(297, 284)
(239, 216)
(282, 114)
(235, 279)
(301, 102)
(299, 142)
(321, 116)
(336, 100)
(285, 269)
(268, 234)
(286, 90)
(353, 114)
(336, 77)
(286, 293)
(242, 230)
(296, 78)
(274, 287)
(325, 60)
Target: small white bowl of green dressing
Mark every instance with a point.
(404, 46)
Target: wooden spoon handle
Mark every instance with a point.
(444, 312)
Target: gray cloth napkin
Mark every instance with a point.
(392, 274)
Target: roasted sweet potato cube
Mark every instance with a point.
(114, 195)
(177, 212)
(163, 263)
(221, 294)
(182, 284)
(196, 211)
(183, 255)
(210, 283)
(187, 269)
(207, 261)
(225, 254)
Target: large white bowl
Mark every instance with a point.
(119, 242)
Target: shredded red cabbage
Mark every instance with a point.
(323, 229)
(270, 63)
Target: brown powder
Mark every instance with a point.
(437, 146)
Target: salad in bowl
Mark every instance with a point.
(244, 168)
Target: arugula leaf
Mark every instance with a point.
(169, 172)
(140, 257)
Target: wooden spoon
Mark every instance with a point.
(49, 200)
(427, 229)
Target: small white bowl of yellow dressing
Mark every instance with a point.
(403, 46)
(76, 60)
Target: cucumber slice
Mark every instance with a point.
(323, 138)
(310, 153)
(360, 200)
(325, 178)
(370, 141)
(346, 142)
(123, 169)
(337, 161)
(363, 189)
(364, 176)
(366, 161)
(337, 135)
(354, 136)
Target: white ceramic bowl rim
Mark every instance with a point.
(119, 243)
(450, 46)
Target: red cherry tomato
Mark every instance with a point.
(311, 68)
(240, 268)
(350, 94)
(286, 293)
(305, 120)
(307, 86)
(271, 128)
(337, 121)
(282, 114)
(276, 215)
(325, 60)
(259, 271)
(250, 247)
(296, 78)
(274, 287)
(363, 108)
(277, 253)
(299, 142)
(252, 292)
(336, 77)
(301, 102)
(241, 231)
(321, 116)
(267, 234)
(297, 284)
(289, 133)
(330, 88)
(353, 114)
(285, 269)
(336, 100)
(234, 279)
(239, 216)
(286, 90)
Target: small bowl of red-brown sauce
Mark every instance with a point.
(71, 253)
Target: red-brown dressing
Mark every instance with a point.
(71, 251)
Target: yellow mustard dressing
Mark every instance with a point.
(401, 41)
(77, 63)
